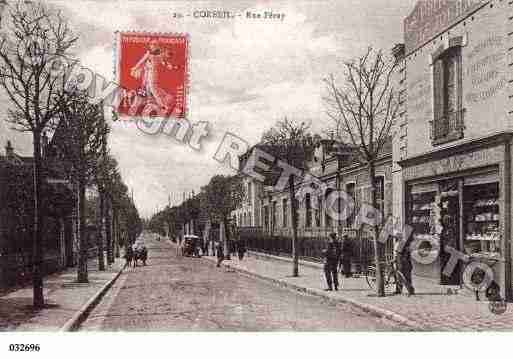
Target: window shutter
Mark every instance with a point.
(438, 87)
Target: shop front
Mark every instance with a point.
(460, 198)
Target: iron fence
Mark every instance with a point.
(311, 248)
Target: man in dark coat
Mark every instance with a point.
(241, 248)
(347, 253)
(332, 254)
(404, 266)
(220, 253)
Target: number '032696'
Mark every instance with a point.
(24, 347)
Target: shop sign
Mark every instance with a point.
(431, 17)
(454, 163)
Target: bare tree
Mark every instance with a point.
(85, 132)
(364, 109)
(106, 175)
(33, 37)
(292, 143)
(222, 195)
(116, 189)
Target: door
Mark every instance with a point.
(450, 236)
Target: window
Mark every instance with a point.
(318, 212)
(380, 194)
(249, 193)
(327, 218)
(273, 215)
(482, 219)
(266, 218)
(285, 213)
(350, 190)
(308, 204)
(447, 123)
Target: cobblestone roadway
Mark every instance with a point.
(179, 294)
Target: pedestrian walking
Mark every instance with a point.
(233, 246)
(196, 245)
(332, 255)
(404, 266)
(347, 254)
(241, 248)
(179, 248)
(129, 255)
(220, 253)
(204, 249)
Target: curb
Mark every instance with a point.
(368, 308)
(77, 319)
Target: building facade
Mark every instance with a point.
(249, 213)
(16, 216)
(452, 156)
(269, 209)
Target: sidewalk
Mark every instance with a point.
(427, 310)
(64, 299)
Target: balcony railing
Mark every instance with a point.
(448, 128)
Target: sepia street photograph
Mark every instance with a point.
(254, 166)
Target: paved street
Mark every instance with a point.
(177, 293)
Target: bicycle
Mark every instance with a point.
(390, 276)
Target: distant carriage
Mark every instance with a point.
(135, 253)
(190, 246)
(140, 254)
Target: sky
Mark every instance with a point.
(244, 75)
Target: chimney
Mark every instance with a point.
(9, 151)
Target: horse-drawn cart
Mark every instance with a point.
(190, 246)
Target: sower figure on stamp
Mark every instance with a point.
(333, 254)
(155, 60)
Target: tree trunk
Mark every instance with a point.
(108, 233)
(82, 256)
(116, 232)
(37, 272)
(380, 286)
(101, 260)
(227, 249)
(295, 249)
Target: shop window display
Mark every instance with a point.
(421, 205)
(482, 220)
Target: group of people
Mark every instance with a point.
(338, 258)
(236, 246)
(134, 253)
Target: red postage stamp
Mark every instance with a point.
(152, 73)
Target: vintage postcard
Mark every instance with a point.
(255, 166)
